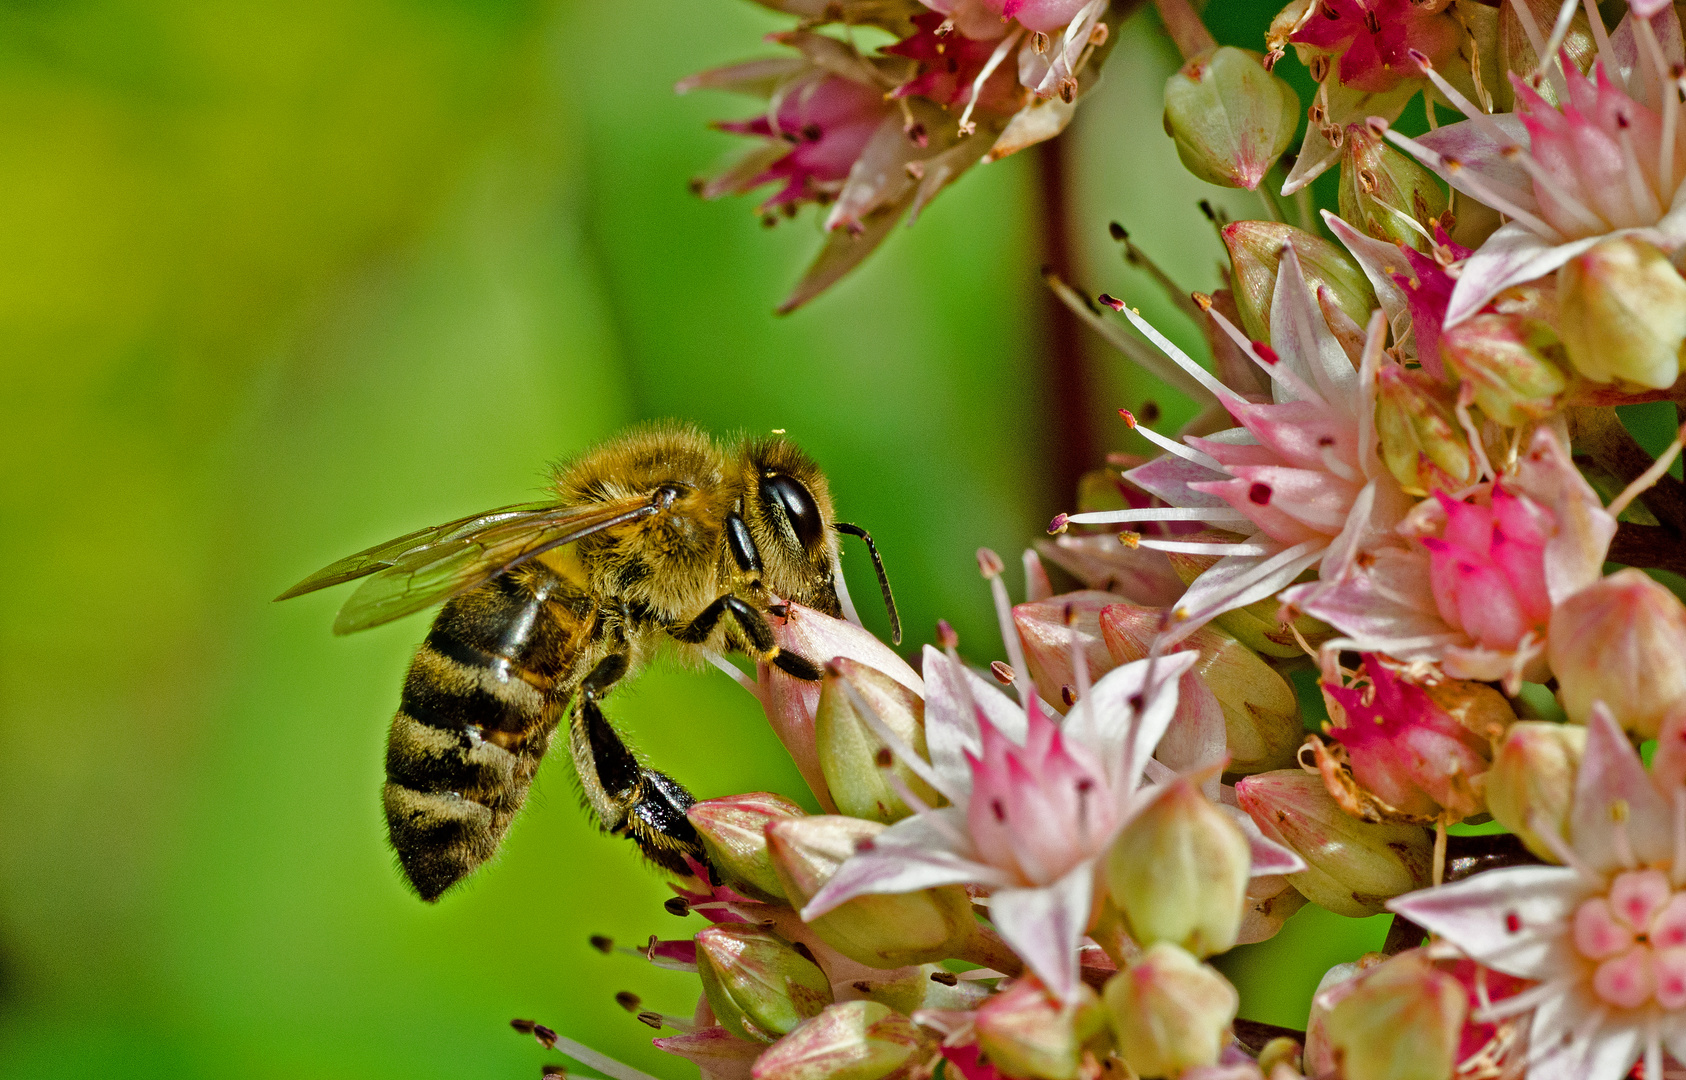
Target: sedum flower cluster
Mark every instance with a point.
(1406, 484)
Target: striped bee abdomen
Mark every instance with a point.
(478, 709)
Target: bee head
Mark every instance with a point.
(787, 507)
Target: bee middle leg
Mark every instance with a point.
(755, 630)
(629, 799)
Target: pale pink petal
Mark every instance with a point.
(951, 727)
(1379, 260)
(717, 1052)
(1169, 478)
(1387, 607)
(1268, 856)
(910, 855)
(1514, 920)
(1102, 720)
(1472, 145)
(1512, 255)
(1641, 826)
(1346, 106)
(1238, 580)
(1574, 553)
(1305, 343)
(1624, 44)
(1046, 926)
(1141, 575)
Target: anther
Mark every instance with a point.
(1068, 694)
(1111, 301)
(1058, 525)
(989, 563)
(629, 1001)
(545, 1036)
(1129, 421)
(651, 1019)
(883, 758)
(552, 1072)
(1266, 353)
(1117, 231)
(1130, 539)
(1371, 23)
(947, 978)
(946, 637)
(677, 905)
(1039, 43)
(1202, 300)
(1003, 674)
(602, 944)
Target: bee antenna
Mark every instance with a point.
(883, 581)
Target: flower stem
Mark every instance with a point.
(986, 949)
(1066, 379)
(1183, 23)
(1599, 433)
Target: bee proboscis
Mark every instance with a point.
(659, 535)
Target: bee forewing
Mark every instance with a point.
(455, 558)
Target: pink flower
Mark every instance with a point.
(950, 62)
(822, 125)
(1373, 40)
(1608, 162)
(1604, 934)
(1404, 749)
(1469, 584)
(1033, 802)
(1300, 475)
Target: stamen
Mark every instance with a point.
(1559, 32)
(1190, 547)
(1600, 36)
(1670, 91)
(1188, 453)
(989, 561)
(732, 669)
(1158, 513)
(1245, 589)
(1643, 482)
(1516, 1004)
(1375, 340)
(1274, 368)
(1036, 583)
(1490, 192)
(1336, 466)
(1466, 396)
(995, 58)
(1545, 830)
(585, 1055)
(1643, 197)
(1653, 1050)
(1079, 659)
(887, 735)
(1180, 358)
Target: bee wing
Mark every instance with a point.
(426, 567)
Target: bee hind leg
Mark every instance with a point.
(630, 799)
(755, 629)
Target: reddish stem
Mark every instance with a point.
(1066, 379)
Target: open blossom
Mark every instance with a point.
(1470, 583)
(1609, 162)
(1033, 802)
(817, 129)
(1370, 43)
(1603, 935)
(1300, 475)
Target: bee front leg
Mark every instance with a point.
(755, 630)
(629, 799)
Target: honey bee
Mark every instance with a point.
(659, 535)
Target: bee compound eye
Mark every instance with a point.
(792, 498)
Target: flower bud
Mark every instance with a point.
(1028, 1032)
(1506, 360)
(1533, 779)
(1179, 871)
(1170, 1012)
(1622, 641)
(852, 756)
(791, 703)
(909, 989)
(1353, 867)
(1401, 1021)
(734, 833)
(1230, 117)
(759, 985)
(881, 931)
(1270, 901)
(1255, 251)
(717, 1053)
(1622, 313)
(1261, 714)
(1382, 191)
(853, 1040)
(1046, 628)
(1422, 443)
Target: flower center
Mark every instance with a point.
(1636, 935)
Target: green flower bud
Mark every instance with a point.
(1622, 641)
(759, 985)
(734, 833)
(1027, 1032)
(1423, 445)
(1169, 1012)
(1230, 117)
(1179, 872)
(854, 1040)
(924, 986)
(878, 931)
(1261, 714)
(1353, 866)
(1382, 191)
(1506, 360)
(1401, 1021)
(1255, 251)
(1622, 313)
(1533, 778)
(854, 759)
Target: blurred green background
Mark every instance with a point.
(279, 281)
